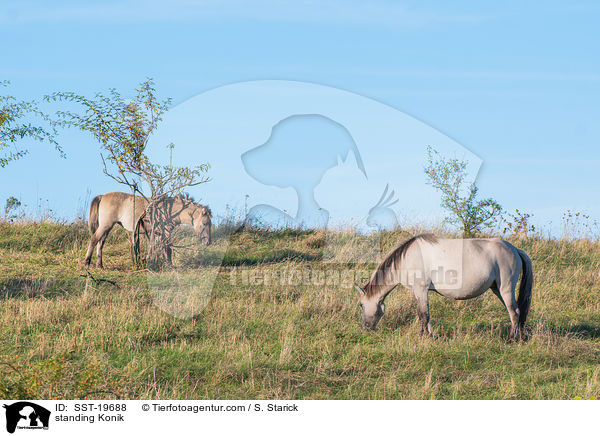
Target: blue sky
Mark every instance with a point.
(516, 83)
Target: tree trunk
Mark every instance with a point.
(159, 250)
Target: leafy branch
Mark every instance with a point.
(467, 212)
(14, 127)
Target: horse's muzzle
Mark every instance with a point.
(369, 328)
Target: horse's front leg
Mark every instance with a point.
(169, 254)
(422, 296)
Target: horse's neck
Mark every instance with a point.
(382, 282)
(182, 218)
(380, 292)
(178, 215)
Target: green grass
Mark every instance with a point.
(65, 336)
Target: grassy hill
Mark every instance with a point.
(68, 336)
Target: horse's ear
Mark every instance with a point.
(360, 290)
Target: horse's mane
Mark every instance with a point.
(184, 196)
(187, 200)
(393, 258)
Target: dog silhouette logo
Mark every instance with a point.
(26, 415)
(299, 152)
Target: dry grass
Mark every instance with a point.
(67, 337)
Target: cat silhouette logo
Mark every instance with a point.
(26, 415)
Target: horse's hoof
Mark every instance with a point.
(513, 338)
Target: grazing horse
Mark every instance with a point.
(455, 268)
(118, 208)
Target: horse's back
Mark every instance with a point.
(465, 268)
(483, 249)
(118, 207)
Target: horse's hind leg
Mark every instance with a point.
(96, 240)
(100, 247)
(93, 241)
(506, 293)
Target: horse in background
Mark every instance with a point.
(118, 208)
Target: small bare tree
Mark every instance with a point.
(14, 127)
(123, 128)
(518, 224)
(469, 214)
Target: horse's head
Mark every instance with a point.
(194, 214)
(201, 220)
(372, 309)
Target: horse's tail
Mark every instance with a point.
(93, 221)
(524, 300)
